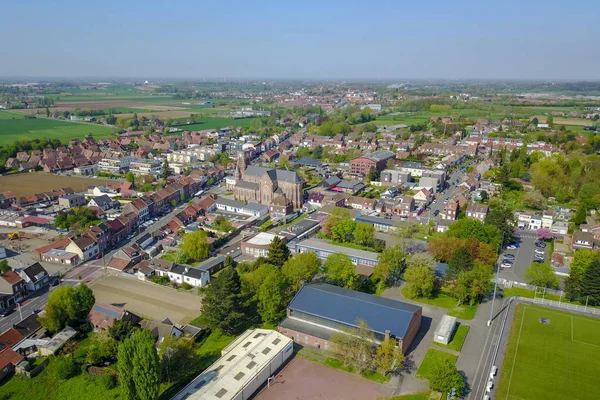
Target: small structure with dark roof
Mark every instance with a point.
(318, 310)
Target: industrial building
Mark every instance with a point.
(445, 330)
(245, 365)
(318, 310)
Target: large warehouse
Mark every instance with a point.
(244, 366)
(318, 310)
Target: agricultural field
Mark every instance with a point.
(550, 355)
(14, 126)
(25, 183)
(212, 123)
(568, 121)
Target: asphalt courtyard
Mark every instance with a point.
(523, 256)
(147, 299)
(302, 379)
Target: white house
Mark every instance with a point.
(182, 273)
(233, 206)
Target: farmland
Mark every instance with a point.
(212, 123)
(35, 182)
(14, 126)
(557, 359)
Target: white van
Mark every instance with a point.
(489, 386)
(493, 372)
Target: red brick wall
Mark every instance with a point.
(305, 340)
(413, 328)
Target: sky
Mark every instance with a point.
(326, 39)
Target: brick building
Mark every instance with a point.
(377, 159)
(319, 310)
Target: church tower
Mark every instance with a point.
(242, 162)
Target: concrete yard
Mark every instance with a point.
(302, 379)
(147, 299)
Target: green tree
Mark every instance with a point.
(590, 285)
(130, 177)
(484, 196)
(460, 261)
(535, 199)
(373, 175)
(340, 271)
(582, 259)
(165, 171)
(47, 112)
(550, 121)
(272, 297)
(364, 234)
(444, 377)
(343, 230)
(176, 357)
(473, 285)
(121, 329)
(4, 266)
(222, 305)
(581, 215)
(301, 269)
(125, 365)
(146, 366)
(68, 306)
(390, 263)
(354, 346)
(64, 367)
(278, 252)
(222, 224)
(195, 245)
(420, 281)
(388, 357)
(541, 274)
(336, 215)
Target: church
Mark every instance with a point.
(264, 185)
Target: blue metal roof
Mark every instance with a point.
(348, 306)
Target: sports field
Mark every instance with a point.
(14, 126)
(551, 355)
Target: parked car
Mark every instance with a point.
(436, 212)
(505, 261)
(512, 246)
(537, 260)
(540, 252)
(506, 265)
(540, 244)
(7, 312)
(509, 256)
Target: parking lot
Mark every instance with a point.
(524, 256)
(146, 299)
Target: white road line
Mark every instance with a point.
(572, 335)
(516, 351)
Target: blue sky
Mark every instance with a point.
(526, 39)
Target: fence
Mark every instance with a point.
(567, 306)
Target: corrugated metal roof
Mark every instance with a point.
(348, 306)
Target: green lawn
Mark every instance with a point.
(419, 396)
(338, 364)
(530, 294)
(444, 300)
(458, 339)
(13, 129)
(431, 358)
(558, 360)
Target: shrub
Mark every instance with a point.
(64, 367)
(107, 382)
(186, 286)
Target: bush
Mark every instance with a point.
(186, 286)
(161, 280)
(64, 367)
(107, 382)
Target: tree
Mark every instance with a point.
(342, 231)
(550, 120)
(444, 377)
(354, 346)
(47, 112)
(544, 233)
(590, 285)
(272, 298)
(222, 224)
(541, 274)
(278, 252)
(473, 285)
(535, 121)
(165, 171)
(390, 263)
(421, 260)
(373, 175)
(222, 305)
(582, 259)
(484, 196)
(4, 266)
(420, 281)
(130, 177)
(364, 234)
(460, 261)
(121, 329)
(176, 356)
(581, 215)
(535, 199)
(468, 227)
(444, 246)
(195, 245)
(336, 215)
(301, 269)
(340, 271)
(103, 348)
(145, 365)
(388, 357)
(68, 306)
(64, 367)
(125, 366)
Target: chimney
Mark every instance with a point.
(387, 334)
(187, 269)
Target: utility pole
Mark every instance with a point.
(20, 313)
(489, 323)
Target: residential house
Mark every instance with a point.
(35, 277)
(422, 196)
(103, 316)
(103, 202)
(12, 289)
(140, 207)
(161, 330)
(84, 246)
(477, 211)
(9, 358)
(72, 200)
(451, 210)
(582, 240)
(361, 203)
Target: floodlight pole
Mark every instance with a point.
(489, 323)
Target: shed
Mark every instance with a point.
(445, 329)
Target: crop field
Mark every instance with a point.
(212, 123)
(35, 182)
(14, 127)
(568, 121)
(551, 355)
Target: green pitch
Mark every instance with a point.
(558, 360)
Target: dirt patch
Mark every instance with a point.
(147, 299)
(302, 379)
(36, 182)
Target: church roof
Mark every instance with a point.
(275, 174)
(247, 185)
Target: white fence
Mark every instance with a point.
(566, 306)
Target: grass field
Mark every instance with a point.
(443, 300)
(212, 123)
(14, 126)
(36, 182)
(431, 359)
(458, 339)
(558, 360)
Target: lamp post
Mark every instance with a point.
(489, 323)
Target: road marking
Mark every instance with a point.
(516, 351)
